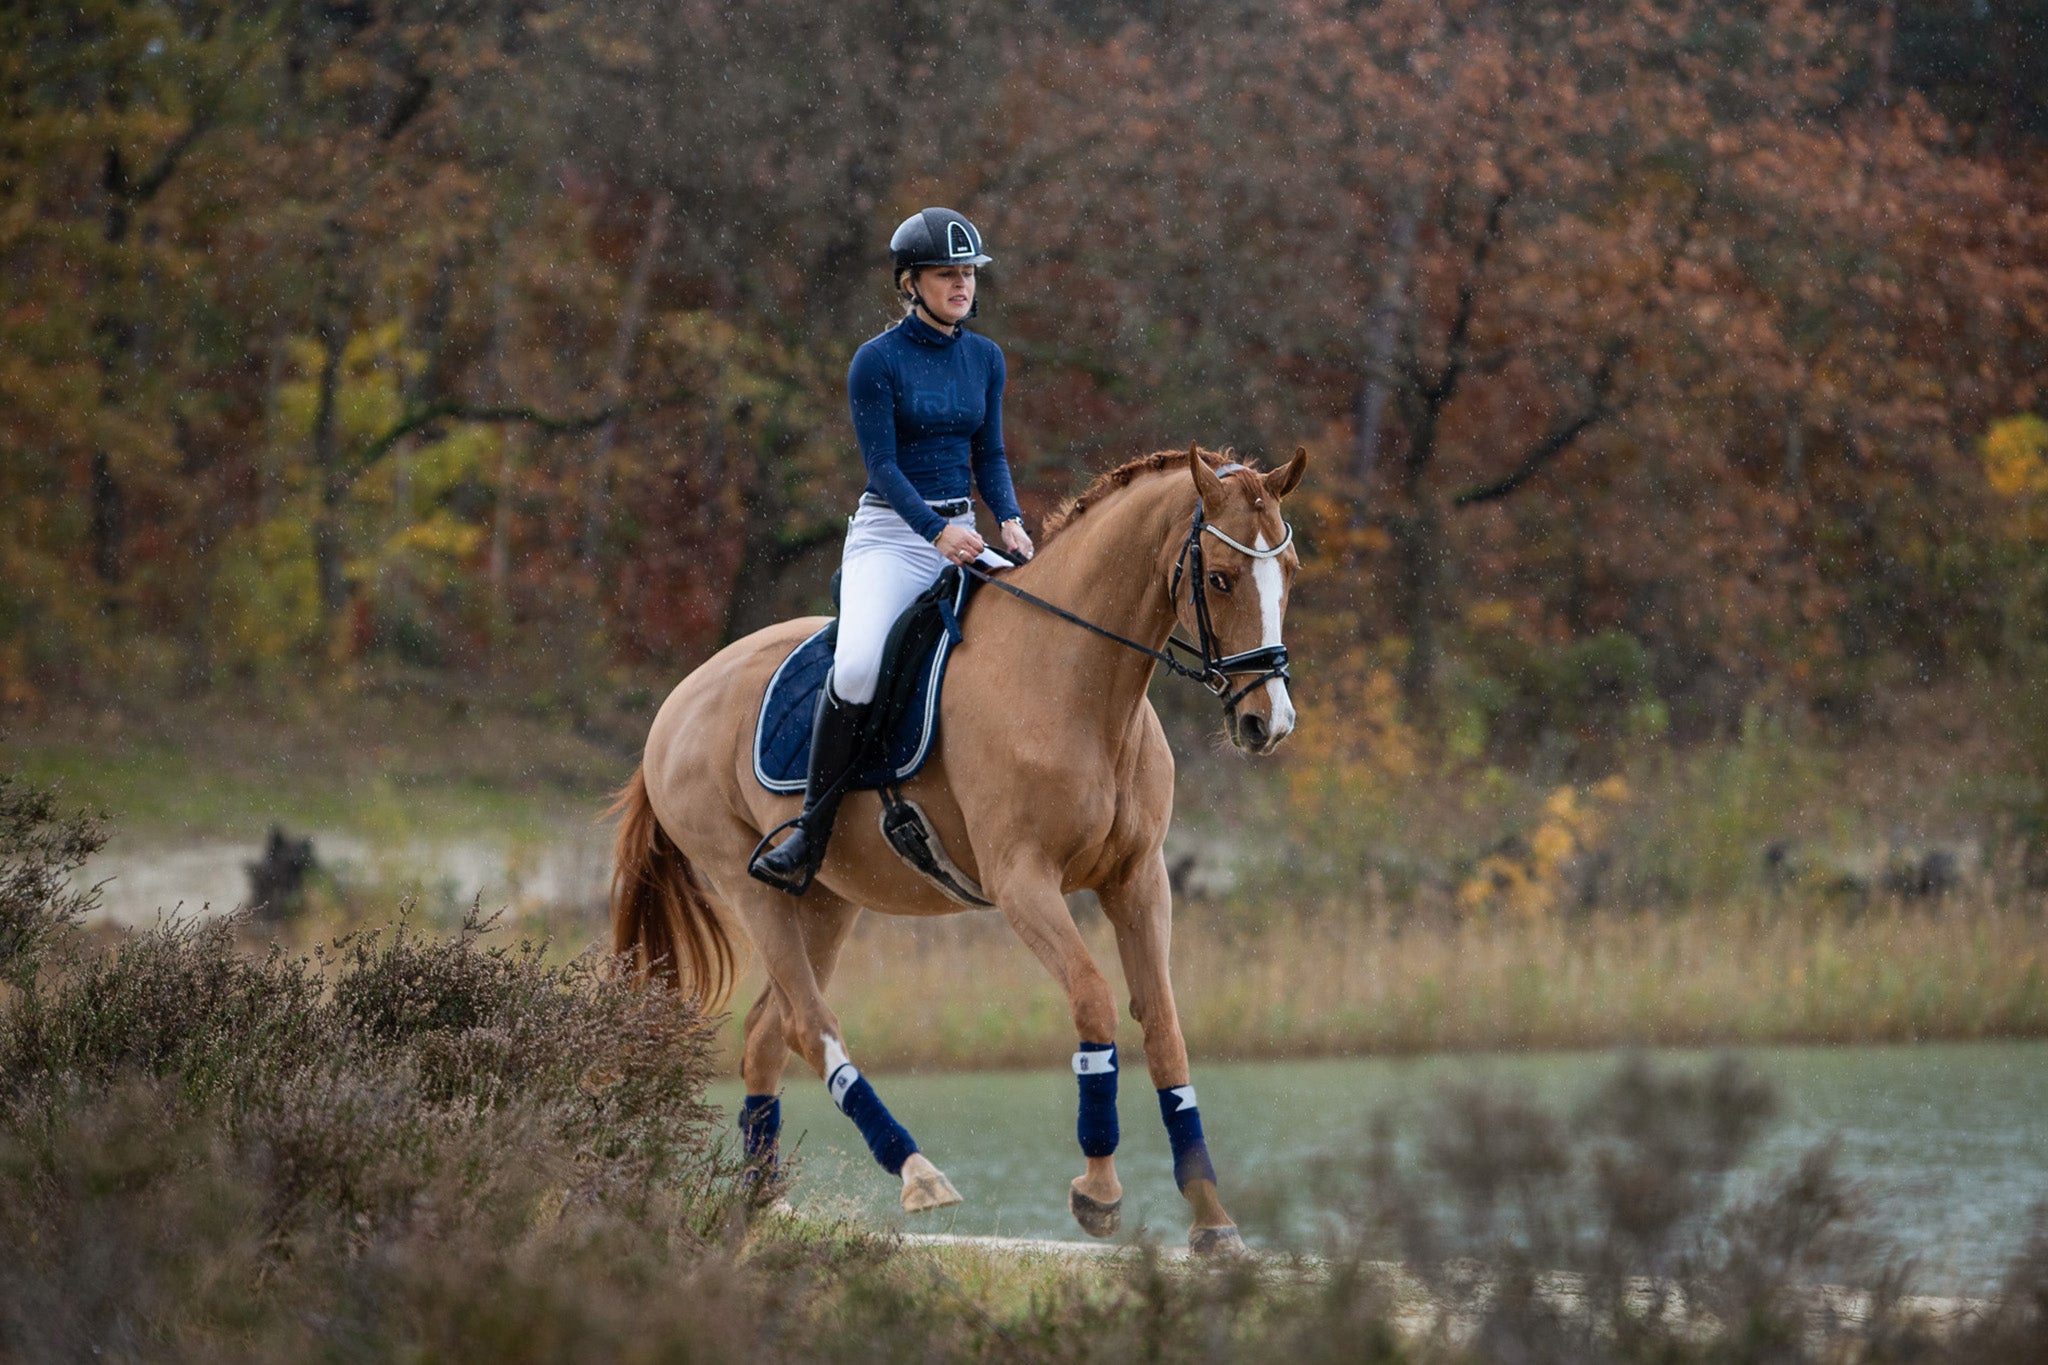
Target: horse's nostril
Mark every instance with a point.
(1252, 731)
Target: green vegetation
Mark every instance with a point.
(397, 765)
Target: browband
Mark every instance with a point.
(1285, 541)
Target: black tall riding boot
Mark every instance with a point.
(837, 729)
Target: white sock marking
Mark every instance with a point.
(840, 1072)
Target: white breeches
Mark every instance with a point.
(885, 567)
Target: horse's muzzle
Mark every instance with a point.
(1254, 734)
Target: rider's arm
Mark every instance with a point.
(871, 393)
(991, 465)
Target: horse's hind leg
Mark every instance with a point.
(825, 924)
(777, 924)
(1141, 910)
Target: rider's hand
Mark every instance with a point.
(1017, 540)
(959, 544)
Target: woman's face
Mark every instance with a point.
(946, 291)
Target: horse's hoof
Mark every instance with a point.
(1096, 1218)
(925, 1187)
(1222, 1241)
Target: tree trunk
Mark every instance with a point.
(511, 450)
(632, 313)
(1881, 56)
(1383, 332)
(333, 330)
(1418, 547)
(1418, 532)
(327, 550)
(112, 337)
(106, 520)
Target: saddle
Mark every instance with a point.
(902, 723)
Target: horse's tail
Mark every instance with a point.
(660, 913)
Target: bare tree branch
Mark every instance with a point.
(1558, 439)
(454, 410)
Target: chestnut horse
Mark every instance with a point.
(1050, 774)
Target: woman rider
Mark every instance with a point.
(927, 398)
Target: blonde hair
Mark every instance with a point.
(906, 288)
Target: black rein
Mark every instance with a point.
(1209, 668)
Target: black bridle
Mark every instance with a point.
(1204, 664)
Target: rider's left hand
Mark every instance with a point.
(1017, 540)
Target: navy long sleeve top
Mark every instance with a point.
(928, 410)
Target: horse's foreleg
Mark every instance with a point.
(825, 924)
(1141, 910)
(777, 923)
(1039, 914)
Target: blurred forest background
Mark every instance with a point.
(1671, 368)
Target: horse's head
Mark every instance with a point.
(1239, 568)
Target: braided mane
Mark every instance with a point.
(1121, 477)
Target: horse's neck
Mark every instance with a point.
(1107, 567)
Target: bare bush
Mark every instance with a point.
(41, 845)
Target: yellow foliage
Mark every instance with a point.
(2016, 457)
(2016, 467)
(1350, 742)
(1492, 614)
(368, 400)
(1529, 879)
(440, 537)
(268, 598)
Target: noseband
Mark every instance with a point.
(1204, 664)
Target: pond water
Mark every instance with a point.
(1949, 1141)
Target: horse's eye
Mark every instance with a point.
(1219, 580)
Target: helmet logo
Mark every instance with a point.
(959, 241)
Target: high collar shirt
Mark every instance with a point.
(928, 411)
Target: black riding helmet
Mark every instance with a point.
(935, 237)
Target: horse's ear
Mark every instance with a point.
(1280, 482)
(1206, 483)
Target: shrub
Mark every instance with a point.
(40, 847)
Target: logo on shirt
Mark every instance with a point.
(942, 405)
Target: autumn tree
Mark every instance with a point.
(1499, 250)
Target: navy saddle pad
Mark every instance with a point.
(913, 671)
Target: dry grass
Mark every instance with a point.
(964, 993)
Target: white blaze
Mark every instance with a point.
(1266, 578)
